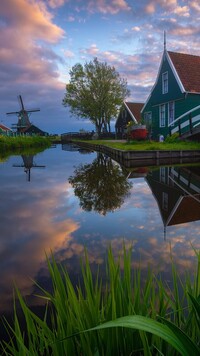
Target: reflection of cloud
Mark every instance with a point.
(48, 217)
(37, 233)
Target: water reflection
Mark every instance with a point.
(28, 163)
(58, 212)
(101, 186)
(177, 192)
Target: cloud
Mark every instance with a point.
(150, 8)
(195, 5)
(28, 63)
(92, 50)
(139, 70)
(56, 3)
(29, 20)
(37, 231)
(107, 6)
(68, 54)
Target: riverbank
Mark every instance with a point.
(9, 143)
(138, 154)
(20, 144)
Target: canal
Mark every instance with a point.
(66, 199)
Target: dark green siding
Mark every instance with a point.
(182, 102)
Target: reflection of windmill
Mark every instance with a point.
(28, 164)
(23, 117)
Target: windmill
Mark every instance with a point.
(23, 117)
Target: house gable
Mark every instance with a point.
(134, 110)
(174, 102)
(175, 87)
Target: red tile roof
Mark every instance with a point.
(135, 108)
(4, 128)
(187, 211)
(188, 69)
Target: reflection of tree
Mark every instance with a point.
(100, 186)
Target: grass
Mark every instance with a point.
(148, 145)
(20, 144)
(123, 316)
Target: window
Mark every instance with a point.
(165, 83)
(171, 112)
(162, 174)
(148, 118)
(165, 201)
(162, 115)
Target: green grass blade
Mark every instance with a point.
(169, 332)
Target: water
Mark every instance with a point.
(64, 200)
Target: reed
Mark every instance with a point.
(123, 316)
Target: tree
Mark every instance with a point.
(95, 92)
(100, 186)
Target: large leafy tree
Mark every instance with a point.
(95, 91)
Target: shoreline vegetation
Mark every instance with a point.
(118, 315)
(145, 145)
(22, 144)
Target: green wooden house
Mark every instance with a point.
(173, 105)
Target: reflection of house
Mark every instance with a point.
(177, 192)
(128, 112)
(173, 105)
(4, 130)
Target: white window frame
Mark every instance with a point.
(171, 112)
(165, 83)
(162, 115)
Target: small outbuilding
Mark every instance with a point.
(128, 112)
(4, 130)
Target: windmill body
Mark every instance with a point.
(23, 117)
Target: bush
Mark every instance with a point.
(173, 138)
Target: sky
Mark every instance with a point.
(41, 40)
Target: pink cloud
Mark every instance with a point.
(108, 7)
(30, 19)
(26, 24)
(68, 54)
(150, 8)
(195, 5)
(56, 3)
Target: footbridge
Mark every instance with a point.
(188, 124)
